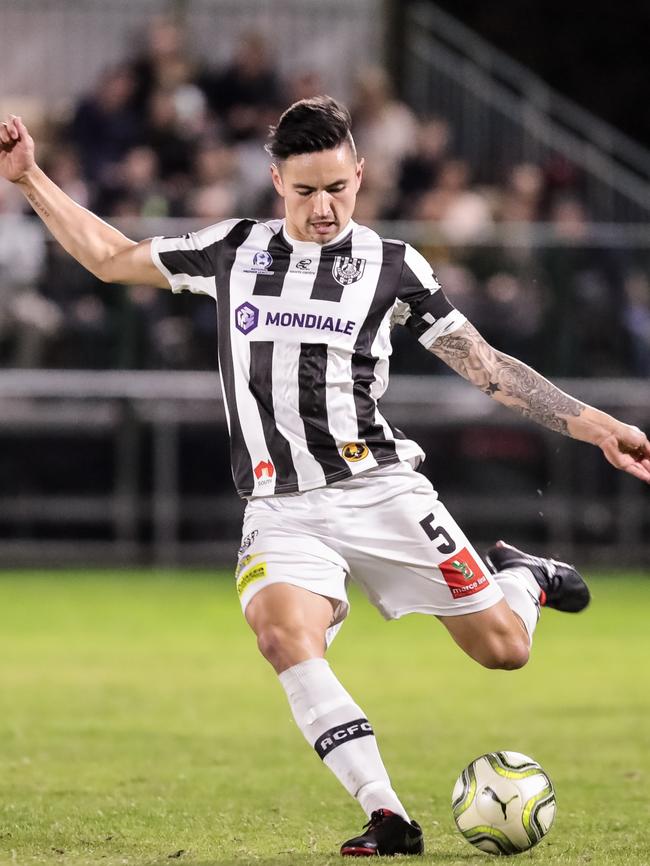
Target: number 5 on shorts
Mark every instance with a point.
(433, 532)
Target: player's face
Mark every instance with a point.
(319, 192)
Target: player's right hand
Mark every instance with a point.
(16, 149)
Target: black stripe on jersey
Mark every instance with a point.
(242, 467)
(271, 284)
(363, 361)
(194, 263)
(326, 288)
(261, 374)
(312, 404)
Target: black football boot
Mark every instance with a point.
(386, 834)
(562, 587)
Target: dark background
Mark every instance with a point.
(595, 53)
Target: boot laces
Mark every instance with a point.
(376, 818)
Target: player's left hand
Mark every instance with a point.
(628, 449)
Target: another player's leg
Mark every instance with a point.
(291, 624)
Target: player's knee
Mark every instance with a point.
(283, 646)
(506, 654)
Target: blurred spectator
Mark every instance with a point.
(523, 194)
(419, 170)
(105, 125)
(463, 214)
(385, 129)
(86, 330)
(138, 190)
(65, 169)
(246, 97)
(636, 319)
(156, 67)
(304, 85)
(27, 320)
(584, 333)
(164, 133)
(215, 183)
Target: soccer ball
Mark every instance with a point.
(503, 803)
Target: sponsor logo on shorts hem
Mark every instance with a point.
(463, 575)
(257, 572)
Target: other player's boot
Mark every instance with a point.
(562, 587)
(386, 834)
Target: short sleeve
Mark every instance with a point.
(188, 262)
(421, 305)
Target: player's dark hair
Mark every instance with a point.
(308, 126)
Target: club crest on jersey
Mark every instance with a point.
(246, 317)
(347, 270)
(355, 451)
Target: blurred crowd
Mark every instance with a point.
(163, 135)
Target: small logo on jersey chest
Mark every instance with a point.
(262, 261)
(246, 317)
(354, 451)
(347, 270)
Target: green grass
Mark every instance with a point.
(137, 721)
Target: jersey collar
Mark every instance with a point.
(312, 247)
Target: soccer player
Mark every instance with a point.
(305, 306)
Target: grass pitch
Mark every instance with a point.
(138, 725)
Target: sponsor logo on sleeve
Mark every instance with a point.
(347, 270)
(246, 317)
(463, 574)
(355, 451)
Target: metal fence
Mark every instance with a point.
(132, 467)
(502, 114)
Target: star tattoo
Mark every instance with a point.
(492, 388)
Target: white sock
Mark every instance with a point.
(339, 731)
(522, 592)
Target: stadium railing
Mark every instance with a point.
(502, 114)
(499, 475)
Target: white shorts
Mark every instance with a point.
(384, 530)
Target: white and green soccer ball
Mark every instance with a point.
(503, 803)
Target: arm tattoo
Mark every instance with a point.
(508, 380)
(36, 204)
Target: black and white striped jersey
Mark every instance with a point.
(304, 344)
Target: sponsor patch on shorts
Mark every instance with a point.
(463, 574)
(257, 572)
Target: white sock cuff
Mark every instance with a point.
(296, 675)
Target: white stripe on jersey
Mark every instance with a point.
(295, 288)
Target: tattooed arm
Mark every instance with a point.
(519, 387)
(102, 249)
